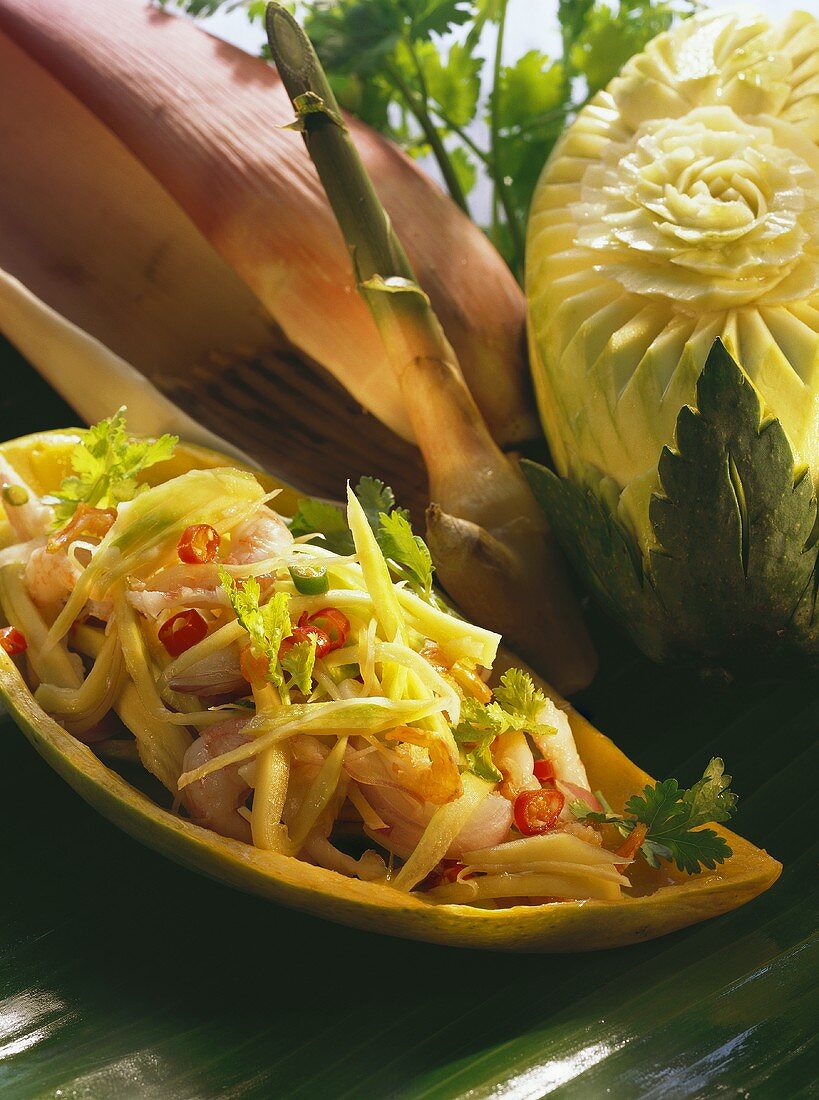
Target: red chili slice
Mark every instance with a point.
(182, 631)
(199, 544)
(12, 641)
(537, 812)
(303, 632)
(544, 770)
(334, 623)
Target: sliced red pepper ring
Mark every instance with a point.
(333, 623)
(12, 641)
(182, 631)
(198, 544)
(537, 812)
(544, 770)
(303, 633)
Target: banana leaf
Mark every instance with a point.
(125, 976)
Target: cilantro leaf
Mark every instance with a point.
(465, 168)
(711, 799)
(299, 661)
(375, 497)
(516, 706)
(400, 545)
(106, 464)
(572, 16)
(529, 89)
(391, 525)
(320, 518)
(476, 730)
(453, 85)
(519, 697)
(672, 818)
(267, 624)
(436, 16)
(609, 37)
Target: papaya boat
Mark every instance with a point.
(283, 701)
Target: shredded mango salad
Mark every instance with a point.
(300, 686)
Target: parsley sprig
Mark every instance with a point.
(673, 818)
(106, 463)
(406, 552)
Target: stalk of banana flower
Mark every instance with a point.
(186, 106)
(490, 546)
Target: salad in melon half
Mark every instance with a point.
(272, 692)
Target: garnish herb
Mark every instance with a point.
(672, 818)
(389, 65)
(399, 545)
(267, 624)
(477, 729)
(522, 701)
(106, 463)
(406, 552)
(319, 517)
(516, 707)
(299, 661)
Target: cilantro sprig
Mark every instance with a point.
(300, 661)
(522, 701)
(106, 464)
(516, 706)
(267, 624)
(415, 69)
(673, 818)
(406, 552)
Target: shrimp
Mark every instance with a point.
(407, 815)
(513, 757)
(31, 518)
(218, 674)
(424, 766)
(264, 535)
(50, 578)
(214, 801)
(407, 818)
(178, 586)
(559, 747)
